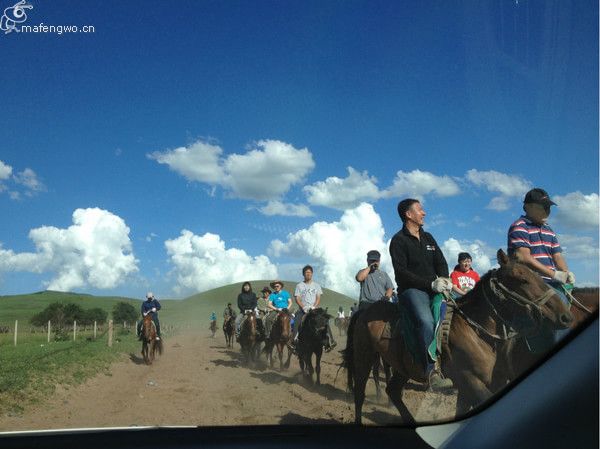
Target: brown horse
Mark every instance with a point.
(506, 303)
(229, 330)
(517, 353)
(249, 338)
(149, 343)
(311, 340)
(280, 338)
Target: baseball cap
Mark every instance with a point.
(373, 255)
(538, 196)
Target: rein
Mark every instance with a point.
(575, 301)
(499, 290)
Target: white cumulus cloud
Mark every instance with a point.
(268, 171)
(95, 251)
(508, 186)
(30, 180)
(285, 209)
(5, 171)
(265, 172)
(577, 211)
(203, 262)
(339, 248)
(484, 257)
(419, 183)
(343, 193)
(578, 248)
(198, 162)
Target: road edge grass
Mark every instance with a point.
(31, 372)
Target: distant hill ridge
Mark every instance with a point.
(197, 307)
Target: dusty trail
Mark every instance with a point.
(198, 381)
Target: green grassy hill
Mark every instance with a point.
(191, 310)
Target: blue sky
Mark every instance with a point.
(182, 146)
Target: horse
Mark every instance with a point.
(149, 343)
(342, 324)
(511, 297)
(517, 354)
(213, 328)
(229, 330)
(249, 338)
(280, 338)
(311, 340)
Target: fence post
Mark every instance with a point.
(49, 331)
(110, 333)
(74, 330)
(16, 329)
(95, 329)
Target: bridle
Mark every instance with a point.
(495, 289)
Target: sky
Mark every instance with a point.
(180, 146)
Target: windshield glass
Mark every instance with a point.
(371, 169)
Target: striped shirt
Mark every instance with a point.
(540, 240)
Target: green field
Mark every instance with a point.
(30, 370)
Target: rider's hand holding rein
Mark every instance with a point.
(441, 284)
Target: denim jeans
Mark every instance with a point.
(417, 304)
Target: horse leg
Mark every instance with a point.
(471, 392)
(319, 353)
(376, 366)
(286, 365)
(362, 369)
(394, 390)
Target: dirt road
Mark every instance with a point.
(198, 381)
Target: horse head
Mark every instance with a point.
(316, 321)
(148, 328)
(525, 299)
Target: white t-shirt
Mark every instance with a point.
(341, 315)
(308, 293)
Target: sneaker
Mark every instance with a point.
(438, 382)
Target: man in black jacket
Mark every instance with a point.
(421, 271)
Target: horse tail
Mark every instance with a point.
(348, 353)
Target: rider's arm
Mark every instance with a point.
(362, 274)
(289, 304)
(299, 302)
(404, 277)
(524, 255)
(317, 301)
(560, 262)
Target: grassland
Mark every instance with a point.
(31, 370)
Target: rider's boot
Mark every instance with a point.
(437, 381)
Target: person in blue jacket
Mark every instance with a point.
(151, 306)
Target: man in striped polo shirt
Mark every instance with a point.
(536, 244)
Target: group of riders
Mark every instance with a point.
(307, 297)
(424, 285)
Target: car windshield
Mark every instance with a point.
(255, 213)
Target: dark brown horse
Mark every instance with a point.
(149, 343)
(507, 302)
(311, 340)
(280, 338)
(518, 355)
(249, 338)
(229, 330)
